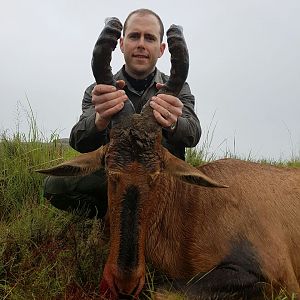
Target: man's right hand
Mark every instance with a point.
(108, 100)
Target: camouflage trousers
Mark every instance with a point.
(84, 195)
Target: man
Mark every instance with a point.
(139, 80)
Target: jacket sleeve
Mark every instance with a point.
(84, 136)
(188, 129)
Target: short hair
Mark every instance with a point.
(145, 11)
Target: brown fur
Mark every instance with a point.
(187, 229)
(261, 204)
(185, 220)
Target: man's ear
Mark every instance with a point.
(83, 164)
(162, 49)
(187, 173)
(122, 44)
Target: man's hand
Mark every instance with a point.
(108, 100)
(166, 108)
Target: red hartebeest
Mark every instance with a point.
(231, 226)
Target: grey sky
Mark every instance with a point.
(244, 55)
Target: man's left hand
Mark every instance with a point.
(166, 108)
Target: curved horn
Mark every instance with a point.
(104, 46)
(179, 61)
(179, 65)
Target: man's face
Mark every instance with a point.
(141, 45)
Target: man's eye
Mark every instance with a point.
(150, 38)
(134, 36)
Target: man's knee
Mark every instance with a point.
(80, 204)
(83, 195)
(90, 184)
(55, 186)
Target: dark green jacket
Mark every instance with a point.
(85, 137)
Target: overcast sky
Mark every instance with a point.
(244, 66)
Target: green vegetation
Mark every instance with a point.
(46, 253)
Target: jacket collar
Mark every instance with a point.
(157, 79)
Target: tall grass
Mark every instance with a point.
(46, 253)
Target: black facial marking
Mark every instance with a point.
(128, 255)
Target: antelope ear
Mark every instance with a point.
(185, 172)
(83, 164)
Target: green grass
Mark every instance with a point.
(46, 253)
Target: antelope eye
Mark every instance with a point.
(113, 179)
(113, 176)
(153, 177)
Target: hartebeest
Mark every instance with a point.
(231, 226)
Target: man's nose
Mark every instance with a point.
(141, 42)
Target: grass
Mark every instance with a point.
(46, 253)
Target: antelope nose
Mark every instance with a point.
(122, 283)
(130, 288)
(121, 296)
